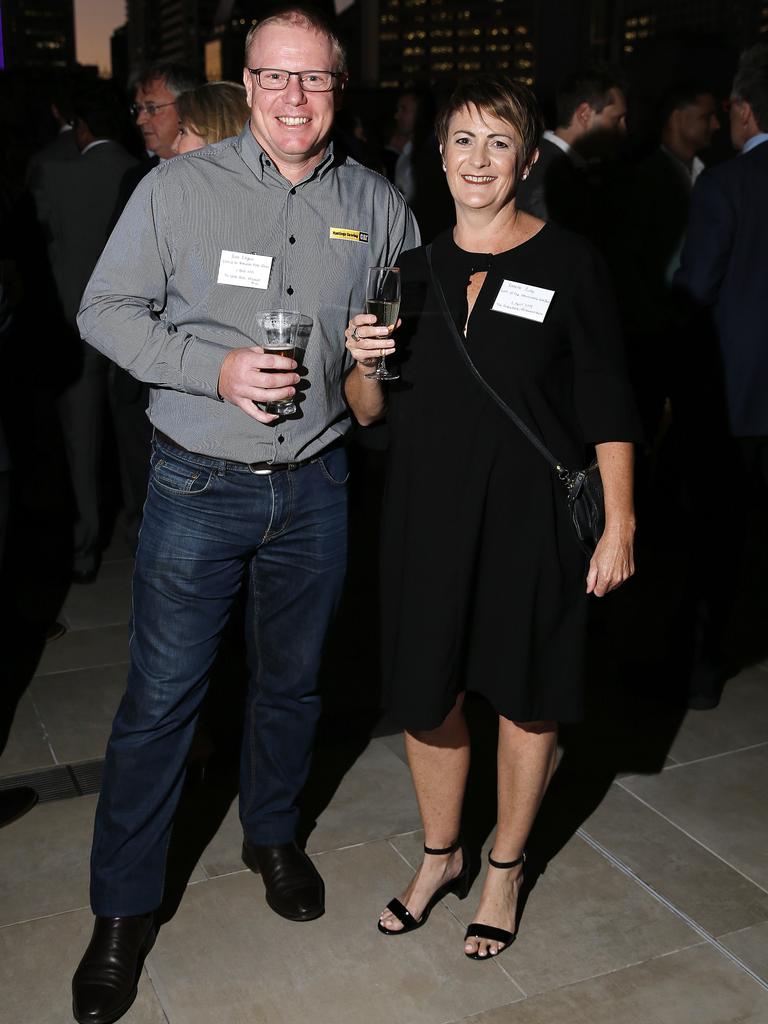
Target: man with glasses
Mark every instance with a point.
(270, 219)
(154, 106)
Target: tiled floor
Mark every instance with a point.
(650, 906)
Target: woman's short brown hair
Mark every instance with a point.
(215, 110)
(503, 98)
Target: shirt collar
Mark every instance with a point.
(556, 141)
(576, 158)
(691, 173)
(756, 140)
(92, 145)
(264, 168)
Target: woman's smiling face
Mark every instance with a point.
(481, 157)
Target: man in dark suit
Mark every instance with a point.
(591, 118)
(76, 202)
(723, 271)
(651, 230)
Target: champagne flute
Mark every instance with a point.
(382, 298)
(279, 328)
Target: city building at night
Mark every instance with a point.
(37, 34)
(427, 42)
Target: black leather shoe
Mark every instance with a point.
(105, 983)
(294, 888)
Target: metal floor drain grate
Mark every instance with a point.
(60, 781)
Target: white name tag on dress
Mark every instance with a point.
(245, 269)
(524, 300)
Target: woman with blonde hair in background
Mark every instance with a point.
(210, 113)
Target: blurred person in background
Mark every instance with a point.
(652, 226)
(208, 114)
(76, 202)
(156, 90)
(720, 409)
(564, 185)
(154, 106)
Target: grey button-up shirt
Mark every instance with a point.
(154, 304)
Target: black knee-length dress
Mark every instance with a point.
(483, 581)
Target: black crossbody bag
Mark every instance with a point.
(583, 487)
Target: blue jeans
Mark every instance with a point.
(208, 524)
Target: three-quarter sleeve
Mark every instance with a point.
(603, 396)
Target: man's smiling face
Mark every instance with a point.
(291, 125)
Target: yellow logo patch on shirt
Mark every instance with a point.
(348, 235)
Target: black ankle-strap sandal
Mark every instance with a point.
(487, 931)
(458, 885)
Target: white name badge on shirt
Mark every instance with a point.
(524, 300)
(245, 269)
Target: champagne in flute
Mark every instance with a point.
(382, 299)
(385, 312)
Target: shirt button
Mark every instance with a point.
(267, 163)
(292, 240)
(280, 439)
(293, 191)
(289, 290)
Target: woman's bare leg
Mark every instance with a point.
(439, 762)
(527, 755)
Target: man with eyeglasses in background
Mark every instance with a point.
(156, 90)
(273, 218)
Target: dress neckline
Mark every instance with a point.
(484, 259)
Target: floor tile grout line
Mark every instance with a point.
(79, 668)
(145, 970)
(686, 918)
(44, 917)
(46, 734)
(689, 835)
(712, 757)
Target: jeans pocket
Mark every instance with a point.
(176, 476)
(335, 467)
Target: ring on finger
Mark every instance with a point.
(353, 335)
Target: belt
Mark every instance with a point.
(254, 467)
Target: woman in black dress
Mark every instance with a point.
(484, 584)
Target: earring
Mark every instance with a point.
(445, 169)
(525, 174)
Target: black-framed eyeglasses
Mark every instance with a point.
(310, 81)
(149, 108)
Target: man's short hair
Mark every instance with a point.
(304, 17)
(681, 95)
(751, 82)
(99, 107)
(590, 85)
(177, 77)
